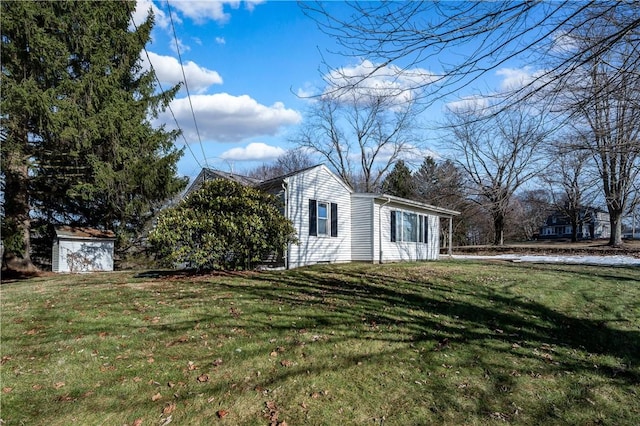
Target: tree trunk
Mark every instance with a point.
(615, 221)
(17, 226)
(574, 229)
(498, 227)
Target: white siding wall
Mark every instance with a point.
(362, 223)
(55, 257)
(398, 251)
(83, 256)
(318, 184)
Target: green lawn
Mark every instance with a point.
(449, 342)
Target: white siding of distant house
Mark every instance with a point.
(319, 184)
(77, 255)
(363, 247)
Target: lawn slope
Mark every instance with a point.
(450, 342)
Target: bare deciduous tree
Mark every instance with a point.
(360, 135)
(532, 206)
(603, 101)
(571, 185)
(291, 161)
(498, 154)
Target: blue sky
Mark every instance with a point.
(245, 64)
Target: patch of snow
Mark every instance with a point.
(581, 260)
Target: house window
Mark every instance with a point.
(323, 218)
(409, 227)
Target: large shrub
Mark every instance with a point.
(224, 225)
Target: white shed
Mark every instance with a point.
(82, 250)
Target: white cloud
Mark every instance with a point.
(142, 11)
(202, 11)
(471, 103)
(366, 80)
(516, 78)
(168, 70)
(256, 151)
(220, 40)
(183, 47)
(225, 118)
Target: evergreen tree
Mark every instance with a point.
(442, 184)
(399, 182)
(79, 146)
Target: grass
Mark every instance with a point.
(428, 343)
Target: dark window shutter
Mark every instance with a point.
(334, 220)
(393, 226)
(313, 218)
(426, 229)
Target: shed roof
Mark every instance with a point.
(84, 233)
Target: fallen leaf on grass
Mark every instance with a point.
(217, 362)
(191, 366)
(169, 408)
(222, 413)
(58, 385)
(5, 359)
(156, 397)
(137, 422)
(271, 412)
(36, 387)
(181, 339)
(286, 363)
(65, 398)
(203, 378)
(7, 389)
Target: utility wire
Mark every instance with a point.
(153, 71)
(186, 85)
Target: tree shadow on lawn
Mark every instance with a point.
(433, 314)
(482, 316)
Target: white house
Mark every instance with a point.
(334, 224)
(82, 250)
(319, 205)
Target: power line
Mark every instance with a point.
(153, 71)
(186, 86)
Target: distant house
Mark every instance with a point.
(334, 224)
(592, 224)
(82, 250)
